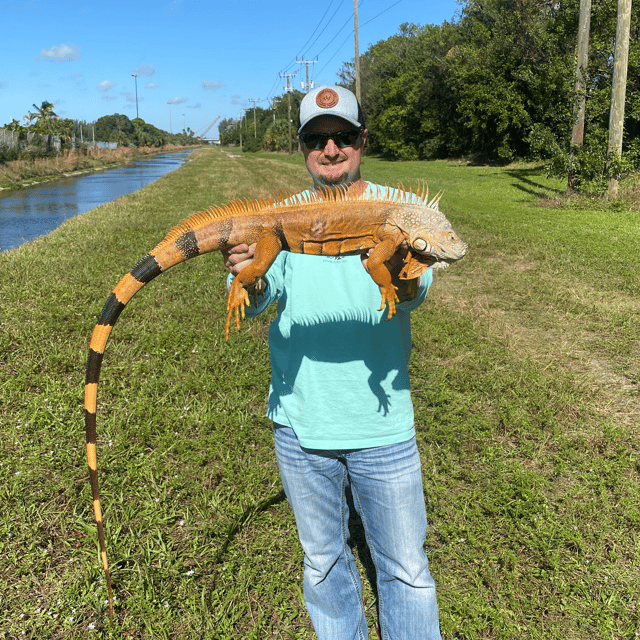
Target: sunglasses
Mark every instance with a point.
(341, 139)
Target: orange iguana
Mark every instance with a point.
(329, 224)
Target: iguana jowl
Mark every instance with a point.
(335, 223)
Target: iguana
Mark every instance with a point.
(333, 223)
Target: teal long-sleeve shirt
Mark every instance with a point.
(339, 369)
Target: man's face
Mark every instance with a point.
(332, 166)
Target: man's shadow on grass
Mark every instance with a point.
(357, 539)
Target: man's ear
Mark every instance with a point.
(363, 138)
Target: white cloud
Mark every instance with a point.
(210, 84)
(236, 99)
(177, 100)
(151, 85)
(197, 105)
(107, 97)
(105, 85)
(61, 52)
(144, 70)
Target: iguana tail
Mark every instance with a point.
(143, 272)
(179, 245)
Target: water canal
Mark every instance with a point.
(34, 211)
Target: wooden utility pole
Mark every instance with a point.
(618, 89)
(288, 89)
(577, 134)
(357, 56)
(307, 85)
(255, 130)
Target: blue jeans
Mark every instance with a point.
(386, 484)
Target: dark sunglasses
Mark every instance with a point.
(341, 138)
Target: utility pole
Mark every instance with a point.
(618, 89)
(577, 134)
(357, 55)
(274, 106)
(255, 131)
(135, 75)
(305, 85)
(288, 89)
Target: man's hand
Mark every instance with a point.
(238, 257)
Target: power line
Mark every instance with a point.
(306, 48)
(303, 50)
(325, 27)
(349, 36)
(319, 23)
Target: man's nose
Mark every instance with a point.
(331, 149)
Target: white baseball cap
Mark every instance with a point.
(330, 100)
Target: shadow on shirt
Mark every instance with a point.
(377, 345)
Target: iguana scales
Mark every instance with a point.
(333, 223)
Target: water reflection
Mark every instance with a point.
(33, 211)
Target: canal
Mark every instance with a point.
(33, 211)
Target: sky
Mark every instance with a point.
(193, 60)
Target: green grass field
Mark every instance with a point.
(525, 376)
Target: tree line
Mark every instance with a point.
(114, 128)
(496, 84)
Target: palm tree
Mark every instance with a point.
(44, 117)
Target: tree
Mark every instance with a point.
(577, 133)
(618, 90)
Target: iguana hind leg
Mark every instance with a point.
(381, 275)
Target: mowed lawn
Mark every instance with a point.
(525, 376)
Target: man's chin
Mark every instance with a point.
(335, 180)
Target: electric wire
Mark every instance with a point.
(349, 36)
(308, 44)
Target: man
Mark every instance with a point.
(341, 406)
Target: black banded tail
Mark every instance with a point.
(164, 256)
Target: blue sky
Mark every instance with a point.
(194, 59)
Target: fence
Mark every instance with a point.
(22, 140)
(31, 141)
(99, 145)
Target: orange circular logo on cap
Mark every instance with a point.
(327, 98)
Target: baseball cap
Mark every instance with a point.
(330, 100)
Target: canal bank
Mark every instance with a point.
(24, 173)
(30, 212)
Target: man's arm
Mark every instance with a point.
(239, 257)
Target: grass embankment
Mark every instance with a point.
(525, 378)
(22, 172)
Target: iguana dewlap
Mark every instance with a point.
(332, 224)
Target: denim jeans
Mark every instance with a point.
(386, 484)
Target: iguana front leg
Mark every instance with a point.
(381, 275)
(267, 249)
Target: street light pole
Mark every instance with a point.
(135, 75)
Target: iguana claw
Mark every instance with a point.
(389, 297)
(236, 302)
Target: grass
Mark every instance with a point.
(525, 381)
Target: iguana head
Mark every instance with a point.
(431, 238)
